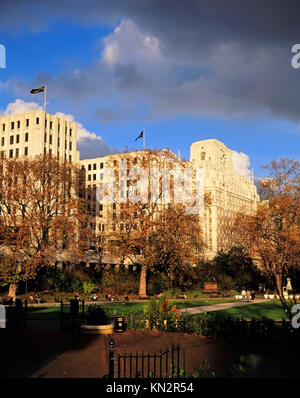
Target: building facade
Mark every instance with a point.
(36, 132)
(229, 193)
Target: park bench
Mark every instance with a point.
(181, 296)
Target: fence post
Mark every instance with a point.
(111, 359)
(25, 314)
(82, 311)
(61, 318)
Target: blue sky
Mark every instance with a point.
(120, 69)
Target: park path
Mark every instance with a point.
(86, 358)
(217, 307)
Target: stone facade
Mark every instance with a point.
(35, 132)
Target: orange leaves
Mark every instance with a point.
(40, 211)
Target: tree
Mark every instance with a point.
(272, 235)
(42, 216)
(151, 232)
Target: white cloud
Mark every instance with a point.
(82, 133)
(127, 44)
(89, 144)
(241, 164)
(20, 106)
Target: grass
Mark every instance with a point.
(270, 309)
(117, 308)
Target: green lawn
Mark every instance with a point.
(117, 308)
(271, 309)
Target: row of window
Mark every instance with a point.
(94, 176)
(58, 142)
(12, 139)
(58, 154)
(37, 121)
(16, 153)
(94, 166)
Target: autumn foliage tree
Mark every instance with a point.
(154, 234)
(272, 235)
(42, 216)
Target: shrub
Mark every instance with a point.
(96, 316)
(88, 287)
(59, 280)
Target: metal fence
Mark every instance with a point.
(164, 364)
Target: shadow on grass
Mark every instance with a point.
(271, 310)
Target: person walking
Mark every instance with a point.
(248, 296)
(243, 295)
(252, 295)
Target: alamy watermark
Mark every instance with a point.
(2, 56)
(2, 317)
(296, 318)
(152, 186)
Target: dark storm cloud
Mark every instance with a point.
(226, 58)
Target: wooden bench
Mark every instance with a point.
(181, 296)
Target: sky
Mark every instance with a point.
(183, 71)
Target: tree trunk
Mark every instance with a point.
(12, 290)
(143, 282)
(279, 288)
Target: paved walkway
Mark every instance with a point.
(217, 307)
(86, 358)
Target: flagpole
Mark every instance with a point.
(45, 98)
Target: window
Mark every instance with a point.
(70, 132)
(2, 141)
(3, 127)
(37, 120)
(89, 177)
(101, 165)
(89, 167)
(94, 166)
(70, 158)
(58, 141)
(66, 130)
(17, 138)
(50, 139)
(58, 127)
(27, 122)
(17, 152)
(45, 137)
(101, 176)
(100, 207)
(51, 124)
(94, 177)
(11, 140)
(11, 153)
(45, 122)
(18, 124)
(203, 155)
(50, 151)
(70, 146)
(66, 145)
(26, 151)
(12, 125)
(26, 137)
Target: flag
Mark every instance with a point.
(140, 136)
(37, 90)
